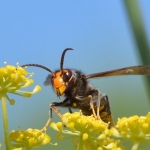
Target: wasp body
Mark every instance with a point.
(80, 94)
(74, 85)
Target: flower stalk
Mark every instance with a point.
(5, 121)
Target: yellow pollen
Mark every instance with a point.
(74, 104)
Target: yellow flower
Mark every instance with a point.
(30, 138)
(135, 129)
(86, 132)
(12, 79)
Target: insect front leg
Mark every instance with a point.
(64, 103)
(52, 108)
(48, 121)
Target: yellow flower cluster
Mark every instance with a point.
(86, 132)
(12, 79)
(30, 138)
(135, 129)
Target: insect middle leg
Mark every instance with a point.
(100, 106)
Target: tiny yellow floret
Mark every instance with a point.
(85, 136)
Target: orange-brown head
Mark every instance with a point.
(60, 81)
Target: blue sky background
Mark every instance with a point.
(100, 34)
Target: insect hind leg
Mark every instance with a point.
(105, 110)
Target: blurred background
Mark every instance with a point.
(102, 38)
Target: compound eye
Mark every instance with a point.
(67, 75)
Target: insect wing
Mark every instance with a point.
(48, 80)
(134, 70)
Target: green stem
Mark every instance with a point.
(140, 35)
(5, 122)
(80, 144)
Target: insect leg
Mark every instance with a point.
(105, 111)
(48, 121)
(98, 103)
(95, 101)
(64, 103)
(100, 106)
(92, 106)
(55, 110)
(50, 116)
(70, 110)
